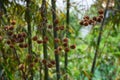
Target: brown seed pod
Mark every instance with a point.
(56, 51)
(25, 45)
(14, 36)
(86, 17)
(60, 48)
(19, 35)
(11, 46)
(8, 42)
(44, 61)
(91, 21)
(61, 27)
(53, 62)
(86, 23)
(81, 22)
(65, 44)
(50, 26)
(35, 38)
(36, 60)
(56, 21)
(99, 19)
(56, 28)
(13, 22)
(67, 49)
(39, 41)
(11, 27)
(49, 65)
(9, 33)
(65, 40)
(20, 40)
(23, 34)
(73, 46)
(95, 18)
(57, 40)
(101, 11)
(101, 16)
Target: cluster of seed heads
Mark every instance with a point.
(91, 21)
(15, 38)
(49, 63)
(31, 62)
(64, 45)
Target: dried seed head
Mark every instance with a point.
(81, 22)
(49, 65)
(56, 51)
(13, 22)
(11, 46)
(56, 28)
(86, 23)
(101, 11)
(50, 26)
(11, 27)
(65, 40)
(99, 19)
(65, 44)
(61, 27)
(52, 62)
(25, 45)
(23, 34)
(56, 21)
(86, 17)
(67, 49)
(73, 46)
(60, 48)
(36, 60)
(57, 40)
(8, 42)
(44, 61)
(39, 41)
(101, 16)
(9, 33)
(35, 38)
(95, 18)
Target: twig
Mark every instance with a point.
(99, 40)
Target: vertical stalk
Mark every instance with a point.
(28, 19)
(44, 27)
(53, 2)
(67, 32)
(99, 40)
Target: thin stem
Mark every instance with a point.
(99, 39)
(55, 36)
(67, 32)
(44, 25)
(29, 33)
